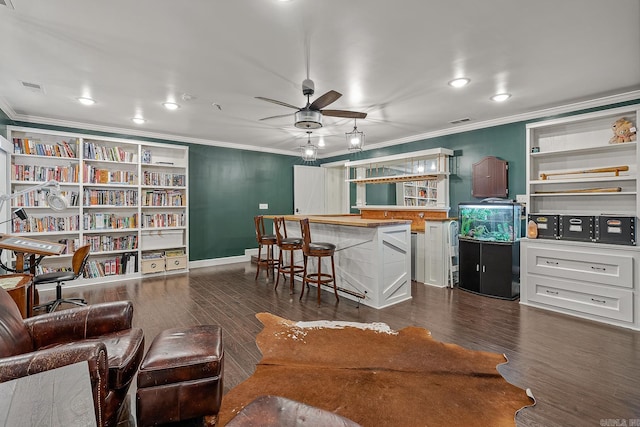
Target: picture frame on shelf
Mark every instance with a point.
(146, 156)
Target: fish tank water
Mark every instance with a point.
(491, 220)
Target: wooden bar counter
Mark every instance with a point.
(416, 214)
(373, 256)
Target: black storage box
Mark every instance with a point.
(577, 227)
(547, 225)
(617, 230)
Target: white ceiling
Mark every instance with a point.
(390, 59)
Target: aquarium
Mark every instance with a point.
(491, 220)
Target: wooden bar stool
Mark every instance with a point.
(290, 244)
(319, 250)
(264, 240)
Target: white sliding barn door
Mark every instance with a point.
(308, 190)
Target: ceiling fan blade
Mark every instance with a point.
(325, 100)
(277, 117)
(284, 104)
(345, 114)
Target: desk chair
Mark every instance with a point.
(78, 262)
(268, 241)
(319, 250)
(286, 244)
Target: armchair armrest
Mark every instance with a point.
(95, 353)
(79, 323)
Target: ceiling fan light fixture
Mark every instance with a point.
(308, 119)
(355, 138)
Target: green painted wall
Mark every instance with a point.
(225, 188)
(226, 185)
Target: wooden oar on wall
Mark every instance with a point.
(614, 169)
(583, 190)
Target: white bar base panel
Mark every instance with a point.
(374, 262)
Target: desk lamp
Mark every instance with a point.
(55, 201)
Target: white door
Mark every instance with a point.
(337, 190)
(308, 190)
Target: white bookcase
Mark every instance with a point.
(572, 169)
(127, 199)
(417, 193)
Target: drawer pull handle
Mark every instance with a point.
(598, 268)
(153, 265)
(552, 262)
(176, 262)
(552, 292)
(598, 300)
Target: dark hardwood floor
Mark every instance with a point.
(582, 373)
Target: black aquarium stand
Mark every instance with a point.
(490, 268)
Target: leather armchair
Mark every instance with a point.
(100, 334)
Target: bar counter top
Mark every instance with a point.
(352, 220)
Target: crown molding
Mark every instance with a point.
(567, 108)
(144, 134)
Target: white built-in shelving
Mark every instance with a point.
(573, 171)
(126, 198)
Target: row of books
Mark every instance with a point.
(70, 245)
(164, 179)
(38, 198)
(103, 221)
(163, 198)
(92, 197)
(94, 175)
(163, 220)
(125, 264)
(112, 243)
(36, 147)
(115, 154)
(44, 173)
(46, 223)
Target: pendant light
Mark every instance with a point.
(309, 152)
(355, 138)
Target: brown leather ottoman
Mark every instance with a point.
(181, 376)
(276, 411)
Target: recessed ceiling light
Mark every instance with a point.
(463, 81)
(501, 97)
(138, 120)
(86, 100)
(171, 105)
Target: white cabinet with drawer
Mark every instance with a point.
(595, 281)
(573, 169)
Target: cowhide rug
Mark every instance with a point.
(378, 377)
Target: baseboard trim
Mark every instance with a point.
(220, 261)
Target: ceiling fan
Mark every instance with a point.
(310, 116)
